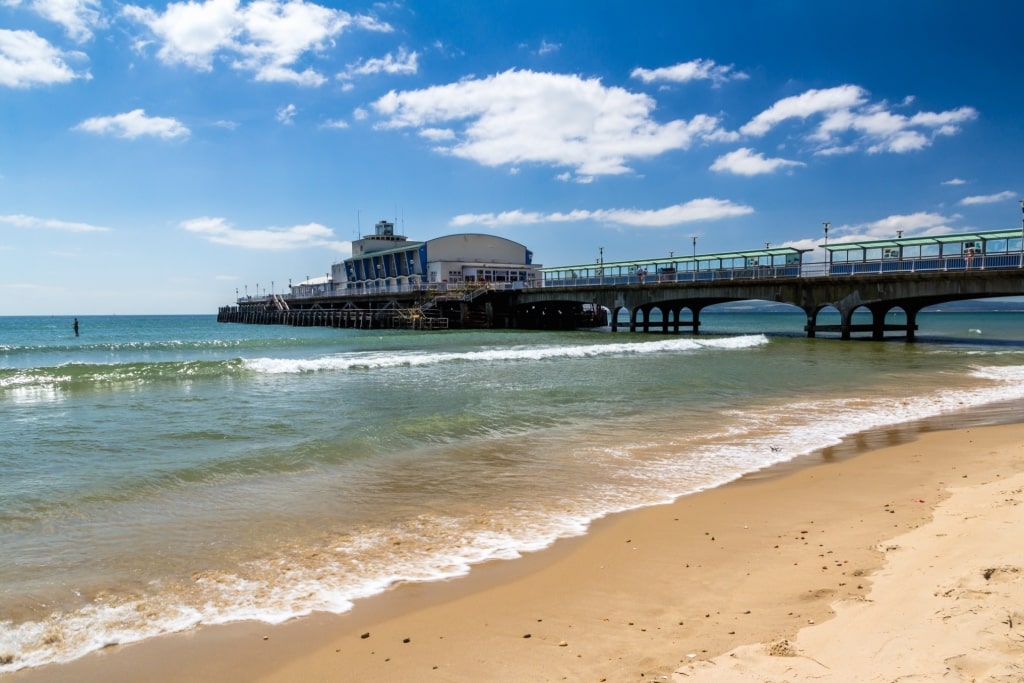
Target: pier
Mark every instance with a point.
(878, 276)
(408, 307)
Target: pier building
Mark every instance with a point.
(390, 281)
(385, 261)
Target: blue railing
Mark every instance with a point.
(681, 276)
(929, 264)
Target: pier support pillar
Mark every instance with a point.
(812, 318)
(911, 322)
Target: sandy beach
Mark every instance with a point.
(899, 563)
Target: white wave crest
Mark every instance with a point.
(376, 359)
(1009, 373)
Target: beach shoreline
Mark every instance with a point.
(643, 595)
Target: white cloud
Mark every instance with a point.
(191, 33)
(34, 223)
(437, 134)
(915, 224)
(850, 123)
(989, 198)
(266, 37)
(286, 115)
(519, 117)
(27, 60)
(954, 181)
(744, 161)
(804, 105)
(696, 70)
(135, 124)
(308, 236)
(404, 63)
(337, 124)
(547, 48)
(77, 17)
(705, 209)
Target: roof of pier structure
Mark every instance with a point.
(681, 258)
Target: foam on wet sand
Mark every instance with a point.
(836, 571)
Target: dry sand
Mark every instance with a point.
(834, 571)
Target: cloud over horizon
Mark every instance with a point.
(705, 209)
(308, 236)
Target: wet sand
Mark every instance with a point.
(898, 562)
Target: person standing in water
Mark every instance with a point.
(75, 326)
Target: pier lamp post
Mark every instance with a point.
(826, 224)
(693, 274)
(600, 250)
(1022, 231)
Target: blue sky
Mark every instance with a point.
(155, 158)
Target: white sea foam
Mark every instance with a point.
(375, 360)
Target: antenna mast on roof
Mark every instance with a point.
(359, 227)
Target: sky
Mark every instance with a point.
(164, 157)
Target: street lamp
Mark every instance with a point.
(1022, 230)
(694, 237)
(827, 257)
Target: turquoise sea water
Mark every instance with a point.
(164, 472)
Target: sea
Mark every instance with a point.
(163, 473)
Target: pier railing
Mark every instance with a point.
(923, 264)
(926, 264)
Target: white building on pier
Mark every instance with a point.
(386, 261)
